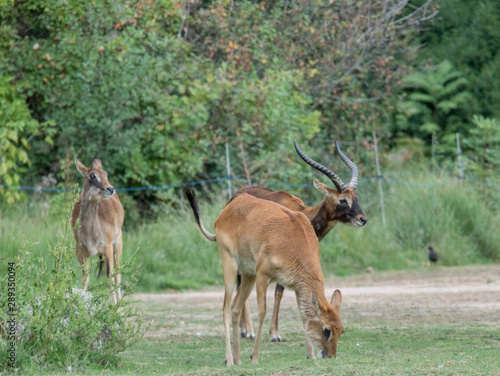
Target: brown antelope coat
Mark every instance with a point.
(267, 242)
(97, 219)
(340, 205)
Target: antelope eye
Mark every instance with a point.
(92, 176)
(343, 202)
(327, 332)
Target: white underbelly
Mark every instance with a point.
(92, 244)
(95, 248)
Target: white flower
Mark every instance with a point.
(97, 344)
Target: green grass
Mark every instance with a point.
(186, 338)
(459, 221)
(384, 350)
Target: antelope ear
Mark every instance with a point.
(314, 300)
(81, 168)
(323, 188)
(336, 299)
(96, 164)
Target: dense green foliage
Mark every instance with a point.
(468, 34)
(434, 100)
(484, 140)
(120, 83)
(456, 79)
(16, 131)
(156, 88)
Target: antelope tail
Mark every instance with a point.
(196, 212)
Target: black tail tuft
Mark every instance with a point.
(190, 195)
(101, 262)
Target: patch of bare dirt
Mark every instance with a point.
(451, 295)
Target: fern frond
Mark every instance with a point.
(417, 79)
(414, 108)
(454, 86)
(460, 98)
(444, 68)
(429, 128)
(447, 106)
(421, 97)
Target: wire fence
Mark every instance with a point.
(254, 182)
(230, 178)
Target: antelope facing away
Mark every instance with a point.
(100, 218)
(267, 242)
(340, 205)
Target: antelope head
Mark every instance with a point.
(340, 204)
(325, 331)
(95, 181)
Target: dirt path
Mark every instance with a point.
(438, 294)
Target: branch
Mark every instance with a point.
(242, 151)
(184, 22)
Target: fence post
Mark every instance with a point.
(433, 148)
(228, 164)
(379, 179)
(459, 159)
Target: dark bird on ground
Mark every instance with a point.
(433, 256)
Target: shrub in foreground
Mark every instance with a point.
(57, 325)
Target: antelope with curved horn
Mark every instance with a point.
(267, 242)
(100, 218)
(340, 205)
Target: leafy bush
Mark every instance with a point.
(61, 327)
(483, 156)
(157, 88)
(16, 130)
(434, 107)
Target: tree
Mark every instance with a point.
(434, 105)
(119, 82)
(17, 130)
(483, 148)
(350, 54)
(468, 34)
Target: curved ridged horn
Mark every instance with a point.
(354, 169)
(339, 184)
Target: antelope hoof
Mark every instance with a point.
(277, 338)
(244, 334)
(229, 362)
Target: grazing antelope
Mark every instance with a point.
(340, 205)
(266, 242)
(100, 218)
